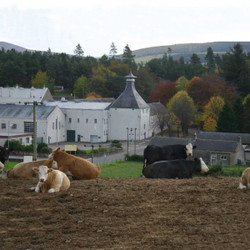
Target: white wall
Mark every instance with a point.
(121, 119)
(83, 123)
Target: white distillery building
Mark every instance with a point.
(19, 95)
(129, 114)
(86, 121)
(16, 122)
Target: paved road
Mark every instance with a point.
(127, 149)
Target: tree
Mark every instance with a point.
(210, 125)
(78, 50)
(210, 59)
(246, 114)
(226, 121)
(236, 70)
(181, 83)
(81, 87)
(42, 79)
(238, 109)
(195, 66)
(163, 92)
(182, 105)
(213, 108)
(128, 57)
(113, 50)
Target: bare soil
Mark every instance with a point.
(126, 213)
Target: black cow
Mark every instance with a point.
(154, 153)
(175, 168)
(4, 154)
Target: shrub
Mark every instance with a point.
(215, 170)
(43, 148)
(134, 158)
(14, 145)
(116, 144)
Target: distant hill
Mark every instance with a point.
(10, 46)
(186, 50)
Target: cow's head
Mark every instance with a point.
(4, 154)
(189, 149)
(204, 167)
(43, 172)
(52, 155)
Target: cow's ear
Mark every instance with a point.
(57, 149)
(50, 170)
(194, 147)
(35, 169)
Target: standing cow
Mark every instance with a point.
(154, 153)
(4, 154)
(175, 168)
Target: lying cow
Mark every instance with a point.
(25, 169)
(175, 168)
(245, 179)
(74, 166)
(154, 153)
(50, 180)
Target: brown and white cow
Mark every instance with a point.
(50, 180)
(74, 166)
(25, 169)
(245, 179)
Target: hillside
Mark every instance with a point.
(186, 50)
(177, 50)
(9, 46)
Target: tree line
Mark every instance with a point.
(205, 91)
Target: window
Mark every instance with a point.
(87, 120)
(28, 127)
(53, 125)
(69, 120)
(144, 126)
(3, 125)
(78, 120)
(27, 140)
(223, 157)
(14, 126)
(95, 121)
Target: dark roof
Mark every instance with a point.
(245, 138)
(24, 111)
(201, 144)
(156, 108)
(129, 98)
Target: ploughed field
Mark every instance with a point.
(126, 213)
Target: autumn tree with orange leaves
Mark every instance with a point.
(163, 92)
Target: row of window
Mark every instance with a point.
(105, 121)
(28, 126)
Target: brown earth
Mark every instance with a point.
(132, 213)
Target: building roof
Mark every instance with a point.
(24, 111)
(64, 104)
(245, 138)
(201, 144)
(21, 95)
(156, 108)
(129, 98)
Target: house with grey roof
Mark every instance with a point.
(227, 153)
(16, 122)
(19, 95)
(129, 114)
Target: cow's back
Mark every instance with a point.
(77, 166)
(152, 153)
(169, 169)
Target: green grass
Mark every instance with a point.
(9, 164)
(121, 168)
(133, 169)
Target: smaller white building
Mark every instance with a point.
(19, 95)
(86, 121)
(16, 122)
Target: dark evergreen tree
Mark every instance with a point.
(239, 112)
(227, 120)
(236, 70)
(246, 116)
(128, 57)
(210, 59)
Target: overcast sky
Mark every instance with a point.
(95, 24)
